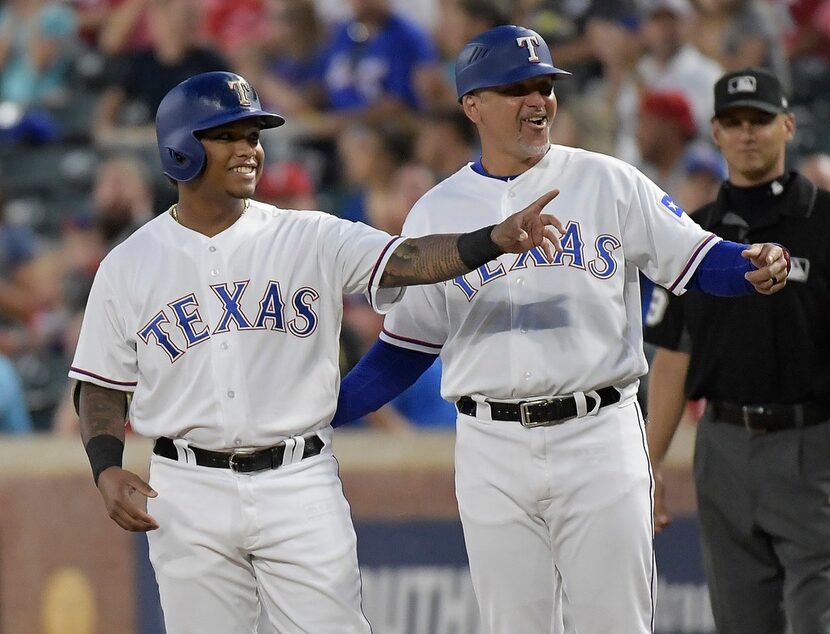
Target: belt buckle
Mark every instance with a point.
(233, 465)
(746, 412)
(524, 414)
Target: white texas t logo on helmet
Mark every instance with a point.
(243, 91)
(743, 83)
(531, 42)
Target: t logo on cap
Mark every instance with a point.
(531, 42)
(243, 91)
(744, 83)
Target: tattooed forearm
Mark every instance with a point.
(426, 260)
(102, 411)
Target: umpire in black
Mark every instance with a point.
(762, 455)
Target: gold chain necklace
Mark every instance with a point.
(174, 210)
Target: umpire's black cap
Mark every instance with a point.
(750, 88)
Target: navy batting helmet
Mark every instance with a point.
(503, 55)
(202, 102)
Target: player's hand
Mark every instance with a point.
(661, 513)
(530, 228)
(118, 486)
(772, 264)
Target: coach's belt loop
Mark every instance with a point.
(581, 404)
(484, 410)
(294, 449)
(581, 400)
(481, 409)
(288, 452)
(299, 452)
(183, 451)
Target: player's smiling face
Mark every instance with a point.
(514, 122)
(753, 143)
(235, 157)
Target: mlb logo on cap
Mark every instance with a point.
(744, 83)
(750, 88)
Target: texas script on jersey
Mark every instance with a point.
(299, 319)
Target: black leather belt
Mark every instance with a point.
(240, 461)
(540, 412)
(768, 418)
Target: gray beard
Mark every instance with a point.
(537, 151)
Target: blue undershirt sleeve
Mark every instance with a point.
(721, 272)
(383, 373)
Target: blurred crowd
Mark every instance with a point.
(373, 122)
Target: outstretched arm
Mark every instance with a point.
(730, 269)
(102, 413)
(383, 373)
(439, 257)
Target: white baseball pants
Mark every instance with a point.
(228, 541)
(574, 500)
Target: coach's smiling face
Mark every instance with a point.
(514, 123)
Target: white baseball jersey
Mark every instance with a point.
(230, 341)
(523, 327)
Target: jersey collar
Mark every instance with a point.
(478, 168)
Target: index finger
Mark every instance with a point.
(544, 199)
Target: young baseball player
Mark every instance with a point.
(542, 356)
(221, 319)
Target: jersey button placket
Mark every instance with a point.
(226, 367)
(213, 261)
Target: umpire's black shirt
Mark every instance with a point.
(759, 349)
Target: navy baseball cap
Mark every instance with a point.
(750, 88)
(502, 56)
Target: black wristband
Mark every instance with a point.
(104, 451)
(477, 247)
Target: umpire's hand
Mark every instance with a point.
(772, 262)
(117, 487)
